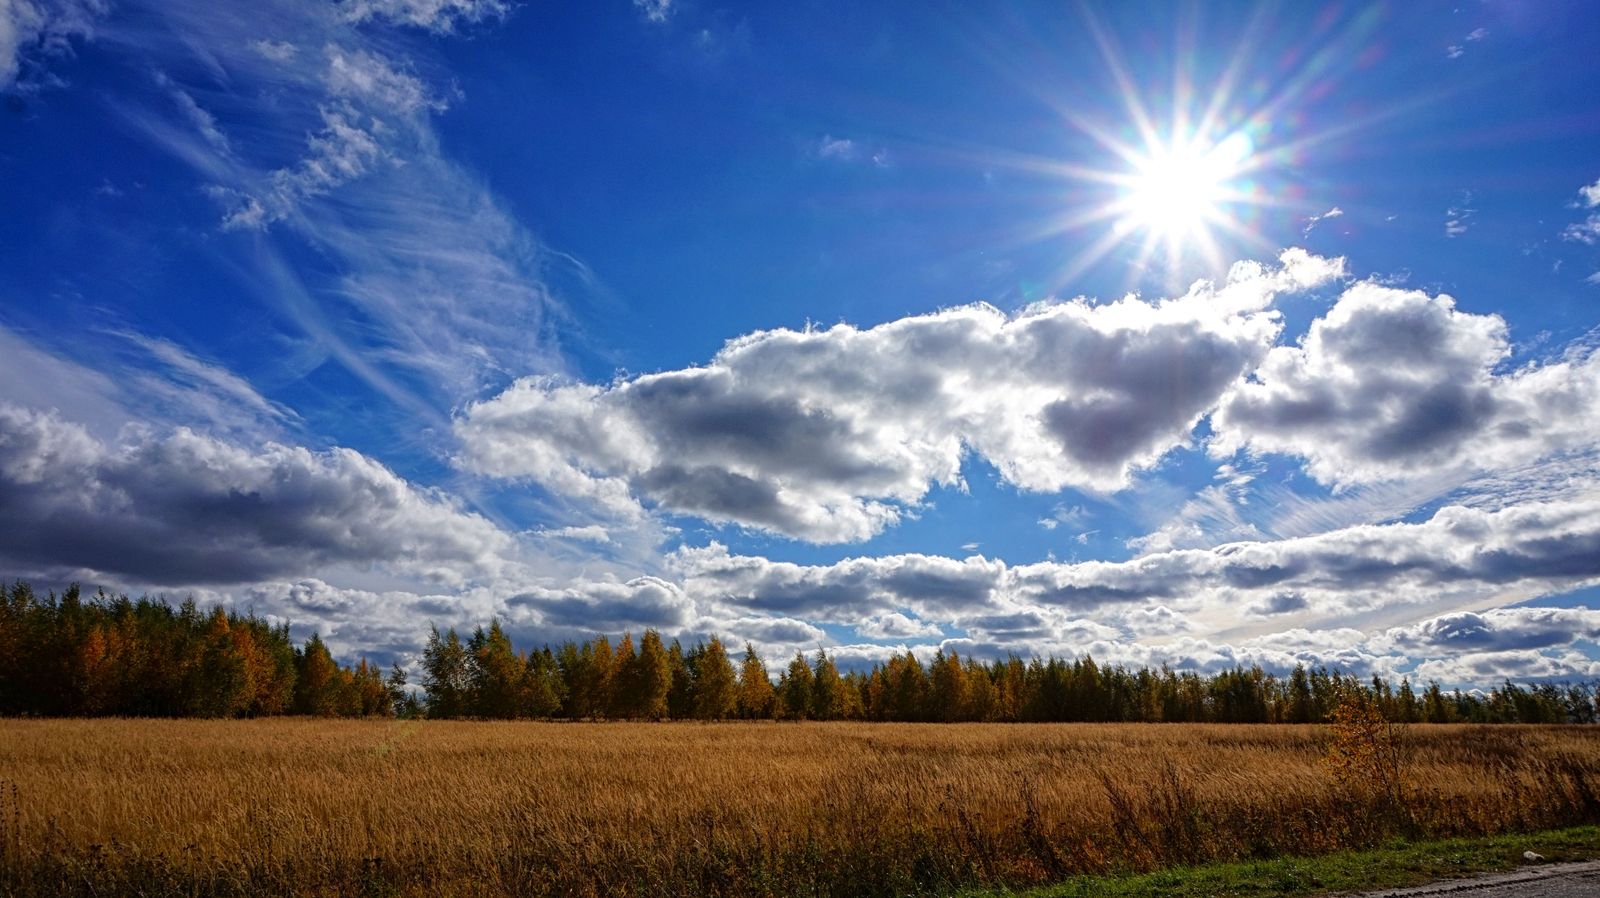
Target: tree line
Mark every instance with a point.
(109, 655)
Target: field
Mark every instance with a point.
(320, 807)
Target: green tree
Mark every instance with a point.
(542, 685)
(827, 690)
(794, 688)
(681, 695)
(400, 698)
(444, 666)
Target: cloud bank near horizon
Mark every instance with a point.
(845, 429)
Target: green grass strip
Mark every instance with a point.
(1395, 866)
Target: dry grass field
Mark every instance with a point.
(320, 807)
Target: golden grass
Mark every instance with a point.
(303, 806)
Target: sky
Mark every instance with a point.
(1186, 334)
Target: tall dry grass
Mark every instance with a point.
(318, 807)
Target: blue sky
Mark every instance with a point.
(1175, 333)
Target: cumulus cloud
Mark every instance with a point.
(1496, 667)
(1586, 231)
(1392, 383)
(782, 631)
(895, 625)
(1498, 630)
(1590, 193)
(607, 606)
(849, 590)
(1459, 555)
(829, 435)
(184, 508)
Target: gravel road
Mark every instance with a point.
(1549, 881)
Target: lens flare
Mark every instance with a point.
(1176, 191)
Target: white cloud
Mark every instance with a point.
(181, 507)
(1457, 557)
(608, 606)
(830, 147)
(368, 98)
(1586, 231)
(654, 10)
(32, 29)
(1394, 383)
(191, 389)
(1497, 630)
(277, 51)
(1456, 51)
(895, 625)
(345, 149)
(1312, 222)
(140, 380)
(1493, 668)
(1062, 513)
(1590, 194)
(829, 435)
(593, 533)
(330, 122)
(200, 118)
(440, 16)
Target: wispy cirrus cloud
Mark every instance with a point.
(1314, 220)
(438, 16)
(34, 31)
(434, 289)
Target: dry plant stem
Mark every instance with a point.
(318, 807)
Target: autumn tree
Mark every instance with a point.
(756, 697)
(317, 683)
(625, 700)
(716, 691)
(948, 684)
(494, 674)
(648, 678)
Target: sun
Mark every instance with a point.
(1170, 194)
(1176, 192)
